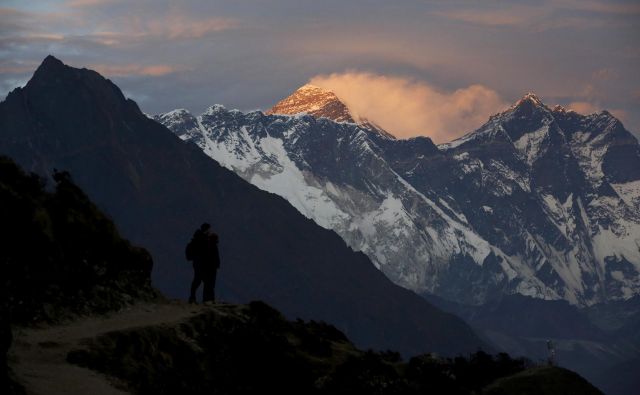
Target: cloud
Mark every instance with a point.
(587, 108)
(128, 29)
(102, 22)
(408, 108)
(17, 67)
(602, 7)
(246, 54)
(621, 115)
(133, 70)
(545, 15)
(605, 74)
(90, 3)
(182, 27)
(106, 38)
(490, 17)
(19, 23)
(9, 84)
(583, 107)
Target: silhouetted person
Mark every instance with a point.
(203, 251)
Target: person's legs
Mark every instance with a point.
(5, 343)
(209, 286)
(197, 279)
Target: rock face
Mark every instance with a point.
(159, 189)
(538, 201)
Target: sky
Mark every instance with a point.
(434, 68)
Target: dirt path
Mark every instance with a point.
(38, 356)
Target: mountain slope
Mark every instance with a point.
(158, 189)
(334, 174)
(61, 256)
(537, 201)
(565, 208)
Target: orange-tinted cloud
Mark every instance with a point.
(583, 107)
(45, 37)
(172, 25)
(107, 38)
(133, 70)
(408, 108)
(17, 67)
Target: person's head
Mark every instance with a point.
(205, 227)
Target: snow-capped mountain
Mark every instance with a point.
(538, 201)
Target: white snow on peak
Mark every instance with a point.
(311, 87)
(172, 117)
(237, 153)
(561, 109)
(177, 111)
(214, 108)
(530, 97)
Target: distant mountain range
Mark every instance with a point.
(159, 189)
(538, 201)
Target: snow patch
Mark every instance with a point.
(530, 144)
(629, 192)
(590, 154)
(292, 184)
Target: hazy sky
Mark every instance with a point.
(437, 68)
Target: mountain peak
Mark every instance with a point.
(530, 99)
(178, 112)
(560, 109)
(313, 88)
(51, 61)
(49, 65)
(315, 101)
